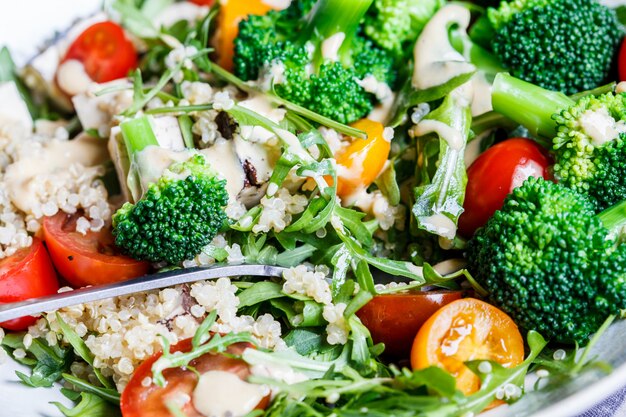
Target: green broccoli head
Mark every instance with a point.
(288, 48)
(395, 24)
(588, 136)
(561, 45)
(549, 263)
(178, 215)
(589, 148)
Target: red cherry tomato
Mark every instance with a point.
(394, 319)
(139, 400)
(89, 259)
(621, 62)
(202, 2)
(105, 52)
(26, 274)
(495, 174)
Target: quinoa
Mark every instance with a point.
(123, 332)
(278, 211)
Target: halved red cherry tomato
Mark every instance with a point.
(105, 52)
(89, 259)
(26, 274)
(202, 2)
(466, 330)
(495, 174)
(621, 61)
(139, 400)
(394, 319)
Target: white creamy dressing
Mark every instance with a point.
(481, 100)
(331, 46)
(224, 160)
(294, 145)
(452, 136)
(436, 61)
(167, 132)
(13, 107)
(600, 126)
(472, 149)
(381, 113)
(441, 224)
(56, 155)
(72, 77)
(152, 161)
(277, 4)
(180, 11)
(224, 394)
(450, 266)
(260, 104)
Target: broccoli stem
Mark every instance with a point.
(138, 134)
(527, 104)
(614, 218)
(483, 59)
(330, 17)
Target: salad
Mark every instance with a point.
(443, 182)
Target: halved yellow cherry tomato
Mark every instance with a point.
(231, 13)
(466, 330)
(361, 162)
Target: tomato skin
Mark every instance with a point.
(621, 61)
(140, 401)
(464, 330)
(105, 52)
(394, 319)
(80, 258)
(26, 274)
(494, 174)
(202, 2)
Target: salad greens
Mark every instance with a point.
(250, 163)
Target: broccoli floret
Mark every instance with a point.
(550, 263)
(395, 24)
(178, 214)
(287, 47)
(587, 135)
(561, 45)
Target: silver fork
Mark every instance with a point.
(35, 306)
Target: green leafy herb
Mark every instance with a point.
(90, 405)
(81, 349)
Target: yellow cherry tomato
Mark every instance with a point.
(231, 13)
(466, 330)
(360, 163)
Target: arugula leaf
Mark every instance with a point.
(304, 341)
(90, 405)
(83, 351)
(51, 363)
(439, 204)
(109, 394)
(259, 292)
(388, 185)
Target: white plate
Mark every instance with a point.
(25, 24)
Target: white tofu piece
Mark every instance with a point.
(167, 132)
(94, 111)
(13, 107)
